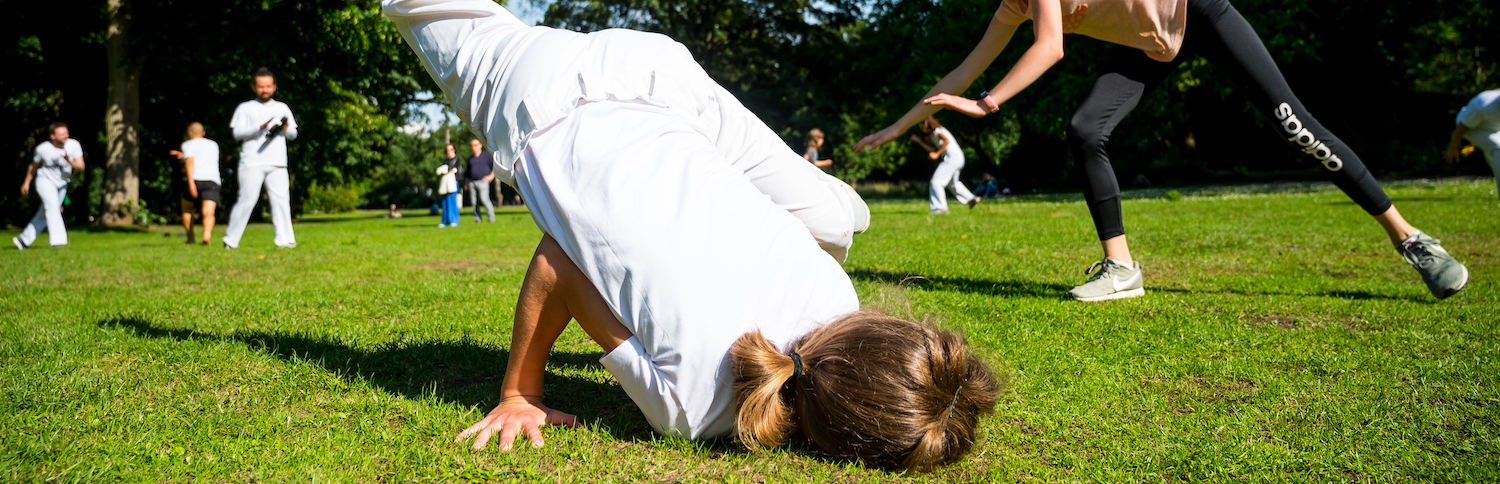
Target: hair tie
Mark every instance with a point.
(796, 365)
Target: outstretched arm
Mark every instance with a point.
(553, 293)
(996, 36)
(1044, 52)
(1451, 154)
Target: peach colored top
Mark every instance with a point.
(1154, 26)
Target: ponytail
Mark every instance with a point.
(760, 373)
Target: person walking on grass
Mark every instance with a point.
(52, 166)
(1153, 39)
(814, 142)
(263, 126)
(448, 188)
(1479, 123)
(200, 161)
(480, 174)
(939, 143)
(719, 309)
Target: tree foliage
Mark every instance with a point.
(341, 66)
(1386, 75)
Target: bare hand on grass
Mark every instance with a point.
(513, 416)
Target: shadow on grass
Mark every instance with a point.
(1015, 288)
(964, 284)
(460, 372)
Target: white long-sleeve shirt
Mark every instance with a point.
(256, 149)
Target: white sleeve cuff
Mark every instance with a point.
(647, 387)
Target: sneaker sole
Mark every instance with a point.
(1461, 285)
(1115, 295)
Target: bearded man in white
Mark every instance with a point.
(263, 126)
(51, 167)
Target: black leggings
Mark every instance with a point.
(1216, 31)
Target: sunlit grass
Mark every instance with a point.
(1281, 338)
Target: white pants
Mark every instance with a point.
(49, 217)
(828, 207)
(277, 189)
(1488, 142)
(944, 178)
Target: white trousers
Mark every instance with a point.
(944, 178)
(828, 207)
(1488, 142)
(278, 189)
(49, 217)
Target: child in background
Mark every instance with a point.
(448, 188)
(815, 141)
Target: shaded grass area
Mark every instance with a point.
(1281, 338)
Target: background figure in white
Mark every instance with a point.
(535, 76)
(263, 126)
(1479, 122)
(939, 143)
(51, 167)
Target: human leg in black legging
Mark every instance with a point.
(1222, 36)
(1125, 78)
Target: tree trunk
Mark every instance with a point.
(122, 115)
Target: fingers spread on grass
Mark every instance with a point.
(508, 435)
(534, 434)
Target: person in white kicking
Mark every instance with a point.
(1479, 123)
(939, 143)
(263, 126)
(51, 168)
(535, 76)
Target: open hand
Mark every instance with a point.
(961, 104)
(875, 140)
(175, 154)
(513, 416)
(1450, 155)
(192, 189)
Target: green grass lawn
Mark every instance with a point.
(1281, 338)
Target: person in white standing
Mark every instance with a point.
(200, 162)
(1479, 122)
(939, 143)
(51, 168)
(263, 126)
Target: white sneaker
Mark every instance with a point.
(17, 241)
(1110, 280)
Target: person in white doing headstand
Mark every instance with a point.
(51, 167)
(263, 126)
(533, 77)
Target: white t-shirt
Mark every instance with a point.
(55, 166)
(205, 155)
(952, 152)
(255, 148)
(1482, 116)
